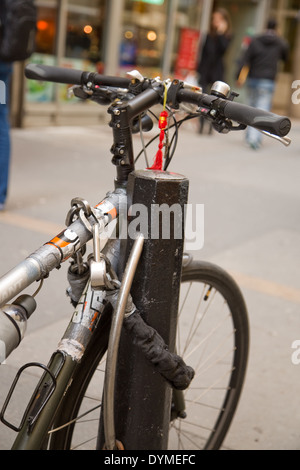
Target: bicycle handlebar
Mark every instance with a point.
(241, 113)
(258, 118)
(70, 76)
(238, 112)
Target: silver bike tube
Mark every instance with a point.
(49, 256)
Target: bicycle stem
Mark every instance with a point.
(121, 123)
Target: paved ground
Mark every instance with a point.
(252, 228)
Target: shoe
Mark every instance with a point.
(254, 145)
(1, 206)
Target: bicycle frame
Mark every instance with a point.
(149, 295)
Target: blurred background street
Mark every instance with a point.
(252, 229)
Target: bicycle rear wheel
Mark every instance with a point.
(212, 338)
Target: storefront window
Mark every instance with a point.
(190, 13)
(46, 42)
(143, 38)
(46, 29)
(288, 24)
(85, 30)
(290, 34)
(76, 44)
(83, 39)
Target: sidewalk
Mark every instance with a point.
(252, 229)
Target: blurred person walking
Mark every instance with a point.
(259, 67)
(5, 74)
(211, 64)
(17, 41)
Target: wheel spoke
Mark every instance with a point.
(77, 419)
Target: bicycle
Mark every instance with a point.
(127, 310)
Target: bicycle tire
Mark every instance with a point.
(223, 286)
(208, 274)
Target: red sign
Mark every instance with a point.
(187, 51)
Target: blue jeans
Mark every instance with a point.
(5, 72)
(260, 92)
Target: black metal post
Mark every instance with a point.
(143, 398)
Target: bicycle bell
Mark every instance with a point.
(220, 89)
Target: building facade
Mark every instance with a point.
(157, 37)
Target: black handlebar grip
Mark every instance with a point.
(48, 73)
(258, 118)
(241, 113)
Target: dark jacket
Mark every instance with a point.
(211, 66)
(2, 11)
(2, 17)
(263, 55)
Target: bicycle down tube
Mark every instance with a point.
(140, 418)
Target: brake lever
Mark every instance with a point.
(284, 140)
